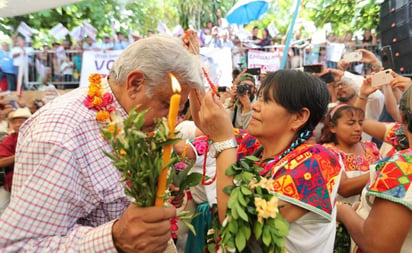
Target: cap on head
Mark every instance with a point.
(246, 77)
(20, 113)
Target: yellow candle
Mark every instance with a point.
(167, 150)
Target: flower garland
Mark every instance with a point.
(99, 100)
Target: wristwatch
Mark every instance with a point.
(217, 147)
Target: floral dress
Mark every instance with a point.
(357, 165)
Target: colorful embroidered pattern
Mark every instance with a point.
(394, 179)
(308, 177)
(247, 144)
(359, 162)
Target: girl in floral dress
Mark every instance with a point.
(342, 132)
(383, 221)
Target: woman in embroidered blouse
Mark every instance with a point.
(342, 132)
(383, 222)
(290, 105)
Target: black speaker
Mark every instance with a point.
(396, 32)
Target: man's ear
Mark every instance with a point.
(134, 83)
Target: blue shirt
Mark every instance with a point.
(6, 62)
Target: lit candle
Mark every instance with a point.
(167, 150)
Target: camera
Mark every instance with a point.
(242, 89)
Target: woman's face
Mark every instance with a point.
(269, 120)
(348, 128)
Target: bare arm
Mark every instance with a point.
(6, 161)
(374, 128)
(384, 230)
(352, 186)
(391, 103)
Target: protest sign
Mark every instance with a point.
(25, 30)
(97, 62)
(334, 51)
(90, 30)
(266, 61)
(59, 31)
(77, 33)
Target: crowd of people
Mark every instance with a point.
(320, 136)
(60, 63)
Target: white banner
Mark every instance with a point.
(90, 30)
(334, 51)
(59, 31)
(273, 30)
(25, 30)
(77, 33)
(97, 62)
(218, 64)
(266, 61)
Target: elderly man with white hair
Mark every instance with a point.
(66, 194)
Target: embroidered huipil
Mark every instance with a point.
(390, 179)
(307, 177)
(66, 193)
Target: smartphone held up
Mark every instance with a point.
(381, 78)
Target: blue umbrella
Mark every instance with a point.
(246, 11)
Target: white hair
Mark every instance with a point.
(156, 57)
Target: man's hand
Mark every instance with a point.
(143, 229)
(245, 101)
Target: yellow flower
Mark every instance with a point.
(122, 152)
(266, 209)
(264, 183)
(97, 101)
(95, 78)
(103, 116)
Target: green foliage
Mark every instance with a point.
(143, 15)
(138, 156)
(242, 222)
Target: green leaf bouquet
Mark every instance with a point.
(252, 217)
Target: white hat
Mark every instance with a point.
(136, 34)
(21, 113)
(352, 80)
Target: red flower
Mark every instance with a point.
(107, 99)
(174, 227)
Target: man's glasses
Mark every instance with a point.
(336, 85)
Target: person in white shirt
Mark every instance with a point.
(106, 44)
(67, 68)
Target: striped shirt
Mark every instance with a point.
(66, 193)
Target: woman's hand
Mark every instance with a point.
(400, 82)
(369, 57)
(366, 89)
(214, 120)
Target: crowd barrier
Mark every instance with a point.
(46, 66)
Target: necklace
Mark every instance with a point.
(99, 100)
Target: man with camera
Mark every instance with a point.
(243, 95)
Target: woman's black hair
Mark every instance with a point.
(332, 118)
(295, 90)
